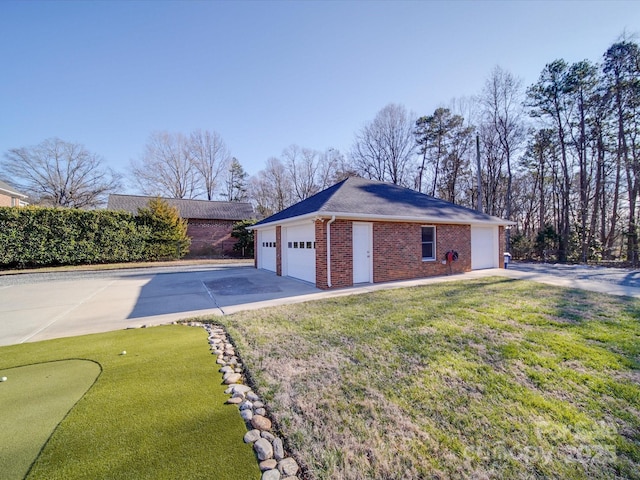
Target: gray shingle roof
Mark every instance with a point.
(196, 209)
(9, 189)
(358, 197)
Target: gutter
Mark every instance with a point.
(427, 219)
(333, 219)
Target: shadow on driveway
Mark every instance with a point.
(204, 290)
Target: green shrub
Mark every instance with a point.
(244, 245)
(39, 236)
(168, 232)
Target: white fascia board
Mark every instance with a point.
(13, 193)
(382, 218)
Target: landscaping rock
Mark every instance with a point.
(278, 449)
(270, 475)
(251, 436)
(256, 403)
(260, 411)
(268, 436)
(261, 423)
(263, 449)
(288, 466)
(254, 398)
(226, 369)
(234, 401)
(232, 378)
(241, 389)
(268, 465)
(246, 415)
(245, 405)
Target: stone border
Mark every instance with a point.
(269, 448)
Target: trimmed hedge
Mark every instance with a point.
(42, 236)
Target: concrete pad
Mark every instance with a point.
(39, 307)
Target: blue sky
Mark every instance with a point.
(268, 74)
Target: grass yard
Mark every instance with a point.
(155, 413)
(492, 378)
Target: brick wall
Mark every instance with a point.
(279, 250)
(397, 252)
(5, 200)
(211, 238)
(341, 254)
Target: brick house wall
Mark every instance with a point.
(397, 252)
(341, 254)
(211, 238)
(5, 200)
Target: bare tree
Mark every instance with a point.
(271, 188)
(302, 166)
(384, 149)
(59, 173)
(210, 157)
(502, 113)
(166, 169)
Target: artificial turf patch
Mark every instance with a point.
(157, 412)
(33, 400)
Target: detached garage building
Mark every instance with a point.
(364, 231)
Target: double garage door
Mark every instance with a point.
(298, 251)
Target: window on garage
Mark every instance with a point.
(428, 243)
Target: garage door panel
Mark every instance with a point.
(300, 252)
(267, 249)
(484, 247)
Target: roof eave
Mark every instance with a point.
(384, 218)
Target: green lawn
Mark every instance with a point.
(157, 412)
(492, 378)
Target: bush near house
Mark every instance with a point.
(39, 236)
(244, 245)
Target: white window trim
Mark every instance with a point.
(435, 231)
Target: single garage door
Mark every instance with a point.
(300, 252)
(484, 247)
(267, 249)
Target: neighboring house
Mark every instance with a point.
(10, 197)
(364, 231)
(209, 224)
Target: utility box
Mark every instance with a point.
(507, 259)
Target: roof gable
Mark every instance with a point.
(189, 209)
(357, 196)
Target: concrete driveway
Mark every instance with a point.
(37, 307)
(42, 306)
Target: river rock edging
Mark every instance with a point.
(269, 448)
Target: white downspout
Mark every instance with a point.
(333, 219)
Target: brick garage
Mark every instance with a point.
(368, 231)
(209, 223)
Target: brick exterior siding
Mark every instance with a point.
(5, 200)
(397, 251)
(211, 238)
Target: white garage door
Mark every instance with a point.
(300, 252)
(484, 247)
(267, 249)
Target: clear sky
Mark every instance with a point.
(268, 74)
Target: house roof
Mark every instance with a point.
(5, 187)
(200, 209)
(360, 198)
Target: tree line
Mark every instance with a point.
(560, 157)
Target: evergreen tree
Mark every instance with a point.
(236, 183)
(168, 232)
